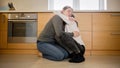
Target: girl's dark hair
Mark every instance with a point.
(66, 7)
(73, 16)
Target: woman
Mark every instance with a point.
(56, 44)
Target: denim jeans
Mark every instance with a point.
(52, 51)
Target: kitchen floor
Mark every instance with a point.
(33, 61)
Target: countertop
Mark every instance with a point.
(18, 11)
(29, 11)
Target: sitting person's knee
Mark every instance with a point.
(60, 56)
(57, 57)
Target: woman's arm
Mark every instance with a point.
(58, 26)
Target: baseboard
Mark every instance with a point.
(18, 51)
(109, 53)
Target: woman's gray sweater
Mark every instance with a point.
(54, 28)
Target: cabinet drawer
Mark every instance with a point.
(106, 40)
(84, 21)
(86, 37)
(106, 21)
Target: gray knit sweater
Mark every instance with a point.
(54, 27)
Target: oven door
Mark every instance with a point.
(22, 31)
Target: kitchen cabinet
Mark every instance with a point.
(3, 30)
(84, 21)
(106, 22)
(3, 22)
(106, 40)
(3, 39)
(100, 32)
(106, 33)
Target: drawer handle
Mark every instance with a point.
(115, 14)
(3, 18)
(115, 33)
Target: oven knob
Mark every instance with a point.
(16, 16)
(28, 16)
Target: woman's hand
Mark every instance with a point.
(76, 33)
(71, 18)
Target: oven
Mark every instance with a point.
(22, 28)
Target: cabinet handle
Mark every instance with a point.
(3, 18)
(115, 14)
(115, 33)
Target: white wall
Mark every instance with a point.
(113, 5)
(38, 5)
(31, 5)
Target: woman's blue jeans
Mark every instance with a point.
(52, 51)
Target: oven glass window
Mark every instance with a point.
(19, 32)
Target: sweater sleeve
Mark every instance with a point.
(58, 26)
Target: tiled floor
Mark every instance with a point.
(33, 61)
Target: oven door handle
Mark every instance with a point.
(21, 20)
